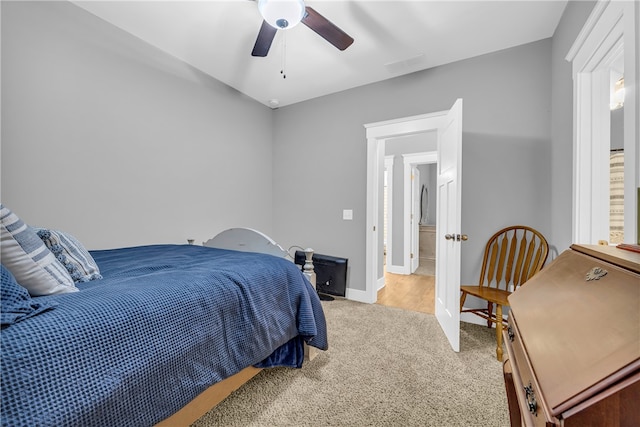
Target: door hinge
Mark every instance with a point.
(411, 256)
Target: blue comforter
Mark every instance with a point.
(165, 323)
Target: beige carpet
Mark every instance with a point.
(385, 367)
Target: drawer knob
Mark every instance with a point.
(510, 333)
(531, 399)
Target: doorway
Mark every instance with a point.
(609, 40)
(378, 134)
(409, 198)
(419, 204)
(448, 125)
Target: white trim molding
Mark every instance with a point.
(377, 134)
(611, 32)
(389, 164)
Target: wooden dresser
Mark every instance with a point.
(573, 344)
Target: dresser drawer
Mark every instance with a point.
(530, 400)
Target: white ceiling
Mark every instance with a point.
(391, 38)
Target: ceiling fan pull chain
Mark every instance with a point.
(284, 55)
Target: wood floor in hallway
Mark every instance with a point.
(410, 292)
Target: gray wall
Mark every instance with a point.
(119, 143)
(561, 170)
(506, 152)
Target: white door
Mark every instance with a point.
(448, 232)
(415, 217)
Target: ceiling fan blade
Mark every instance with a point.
(263, 42)
(326, 29)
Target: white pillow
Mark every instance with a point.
(29, 260)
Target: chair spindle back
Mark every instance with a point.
(512, 256)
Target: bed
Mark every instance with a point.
(164, 335)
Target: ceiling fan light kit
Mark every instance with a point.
(282, 14)
(285, 14)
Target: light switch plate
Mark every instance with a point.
(347, 214)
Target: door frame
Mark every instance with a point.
(414, 248)
(377, 133)
(389, 164)
(411, 161)
(611, 30)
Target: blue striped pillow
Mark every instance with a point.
(70, 253)
(29, 260)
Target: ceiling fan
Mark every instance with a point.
(286, 14)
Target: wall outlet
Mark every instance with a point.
(347, 214)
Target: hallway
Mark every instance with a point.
(413, 292)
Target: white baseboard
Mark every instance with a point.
(396, 269)
(357, 295)
(361, 296)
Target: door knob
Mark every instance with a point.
(463, 237)
(448, 236)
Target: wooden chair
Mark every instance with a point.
(511, 257)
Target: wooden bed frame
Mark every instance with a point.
(245, 240)
(209, 398)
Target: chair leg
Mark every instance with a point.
(499, 332)
(489, 313)
(462, 298)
